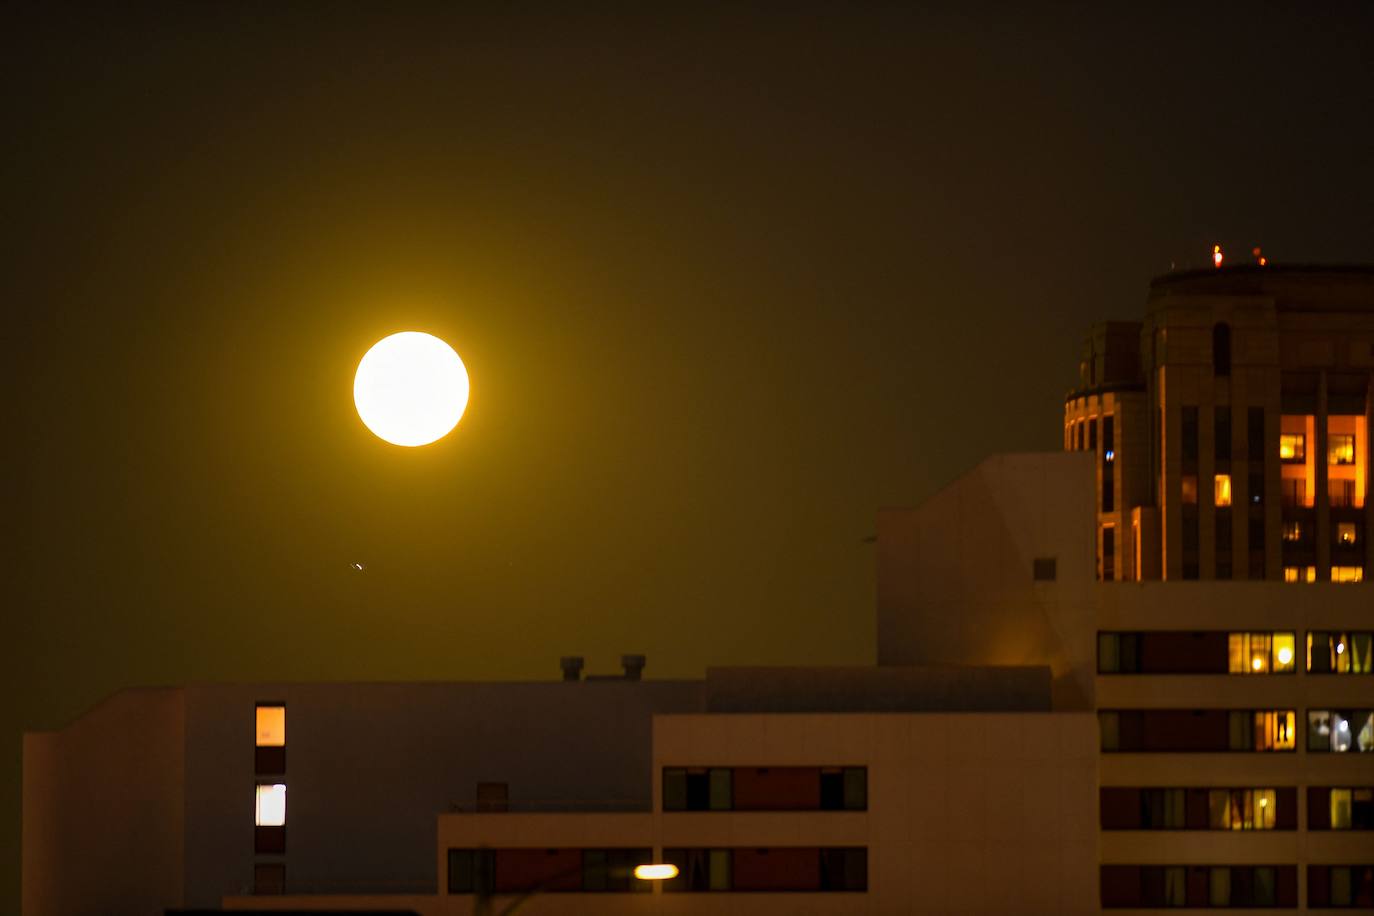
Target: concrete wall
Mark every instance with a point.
(102, 825)
(370, 766)
(967, 812)
(955, 582)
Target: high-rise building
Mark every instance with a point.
(1230, 427)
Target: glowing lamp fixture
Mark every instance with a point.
(410, 389)
(655, 872)
(1340, 647)
(1109, 455)
(1285, 655)
(1216, 255)
(1257, 663)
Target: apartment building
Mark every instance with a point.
(1230, 427)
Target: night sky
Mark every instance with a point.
(724, 283)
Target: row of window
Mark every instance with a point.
(1341, 494)
(765, 788)
(778, 869)
(1340, 448)
(1344, 438)
(504, 871)
(1222, 652)
(1234, 886)
(1222, 730)
(786, 869)
(1162, 808)
(1211, 886)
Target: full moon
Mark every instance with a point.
(410, 389)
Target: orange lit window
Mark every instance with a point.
(1222, 490)
(1300, 574)
(271, 726)
(1345, 533)
(1347, 574)
(1341, 449)
(1275, 730)
(1189, 490)
(1261, 653)
(1292, 447)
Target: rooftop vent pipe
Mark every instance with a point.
(572, 667)
(633, 665)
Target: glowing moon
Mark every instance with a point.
(411, 388)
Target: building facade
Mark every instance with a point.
(1230, 427)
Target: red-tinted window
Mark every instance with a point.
(545, 869)
(777, 788)
(777, 869)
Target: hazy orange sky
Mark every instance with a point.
(725, 284)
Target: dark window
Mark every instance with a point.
(1223, 531)
(514, 871)
(269, 878)
(1198, 886)
(1109, 552)
(1109, 437)
(1197, 730)
(613, 870)
(1221, 349)
(1188, 436)
(844, 869)
(765, 789)
(1222, 432)
(1043, 569)
(1340, 886)
(1254, 433)
(1340, 808)
(786, 869)
(269, 840)
(697, 789)
(1092, 435)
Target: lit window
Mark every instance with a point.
(1241, 809)
(1285, 645)
(1340, 653)
(271, 726)
(1292, 532)
(1189, 485)
(1300, 574)
(1352, 809)
(1340, 730)
(1275, 730)
(1292, 447)
(1346, 533)
(1340, 809)
(1222, 490)
(1261, 653)
(1347, 574)
(1341, 448)
(271, 806)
